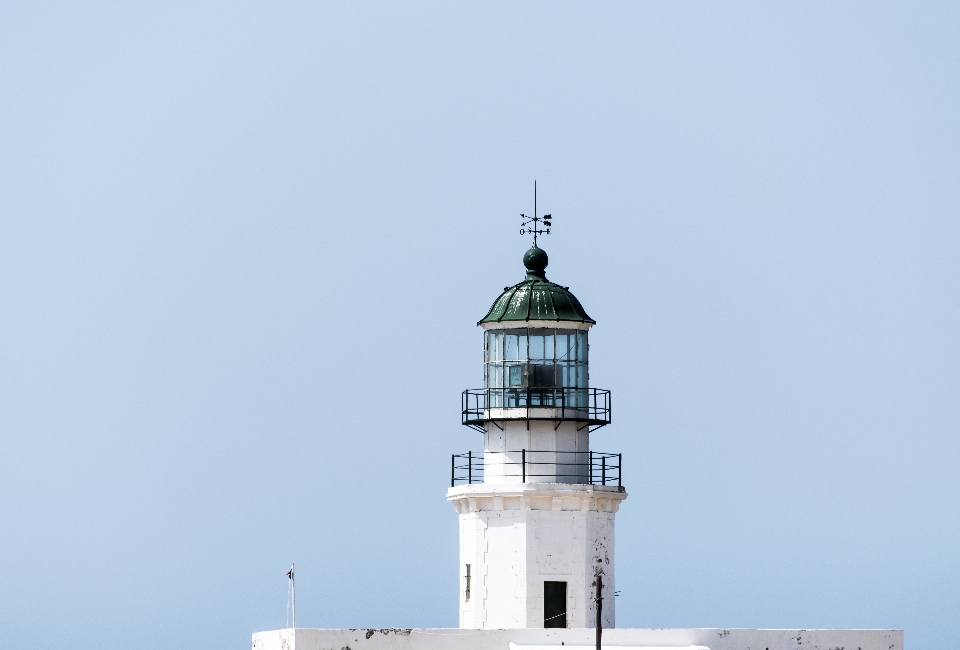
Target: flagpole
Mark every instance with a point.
(292, 600)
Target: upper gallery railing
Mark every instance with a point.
(590, 406)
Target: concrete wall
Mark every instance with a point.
(514, 537)
(582, 639)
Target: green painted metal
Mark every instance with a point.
(536, 298)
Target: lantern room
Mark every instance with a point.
(536, 408)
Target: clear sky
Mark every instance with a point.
(243, 249)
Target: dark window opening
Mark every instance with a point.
(544, 375)
(554, 604)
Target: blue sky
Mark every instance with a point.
(243, 249)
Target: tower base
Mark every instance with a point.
(530, 554)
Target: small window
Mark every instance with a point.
(466, 592)
(554, 604)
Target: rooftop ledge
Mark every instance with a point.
(563, 639)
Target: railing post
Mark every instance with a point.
(523, 462)
(470, 467)
(591, 467)
(603, 468)
(619, 469)
(453, 469)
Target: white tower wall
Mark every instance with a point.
(536, 517)
(516, 536)
(552, 453)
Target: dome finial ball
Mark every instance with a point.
(535, 259)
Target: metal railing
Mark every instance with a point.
(577, 467)
(590, 406)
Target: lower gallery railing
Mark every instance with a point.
(584, 467)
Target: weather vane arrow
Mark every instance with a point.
(536, 225)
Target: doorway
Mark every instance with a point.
(554, 604)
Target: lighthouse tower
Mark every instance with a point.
(537, 506)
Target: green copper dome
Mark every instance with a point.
(536, 298)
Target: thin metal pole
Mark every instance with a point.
(293, 583)
(599, 608)
(603, 468)
(619, 469)
(470, 467)
(453, 469)
(591, 467)
(523, 461)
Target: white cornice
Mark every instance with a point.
(536, 496)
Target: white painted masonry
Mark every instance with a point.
(557, 452)
(580, 639)
(515, 536)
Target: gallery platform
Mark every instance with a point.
(577, 639)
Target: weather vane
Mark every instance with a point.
(533, 224)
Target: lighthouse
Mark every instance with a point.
(537, 503)
(537, 506)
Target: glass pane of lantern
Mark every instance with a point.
(581, 345)
(569, 374)
(536, 347)
(548, 346)
(496, 340)
(494, 375)
(571, 350)
(562, 342)
(511, 347)
(516, 375)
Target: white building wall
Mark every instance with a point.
(517, 536)
(577, 639)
